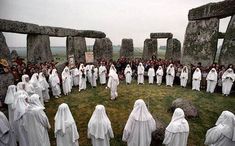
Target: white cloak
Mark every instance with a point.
(159, 74)
(128, 74)
(65, 127)
(184, 76)
(197, 76)
(113, 82)
(177, 131)
(66, 81)
(99, 127)
(151, 74)
(55, 83)
(170, 75)
(227, 81)
(102, 74)
(140, 72)
(211, 78)
(139, 127)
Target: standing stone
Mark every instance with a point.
(127, 48)
(150, 48)
(200, 42)
(14, 54)
(227, 54)
(5, 80)
(38, 48)
(173, 49)
(103, 49)
(76, 46)
(4, 50)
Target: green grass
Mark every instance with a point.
(158, 98)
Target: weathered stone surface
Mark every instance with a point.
(173, 49)
(227, 54)
(4, 50)
(127, 48)
(160, 35)
(38, 49)
(150, 48)
(219, 10)
(14, 54)
(76, 46)
(200, 42)
(60, 67)
(103, 49)
(189, 109)
(5, 81)
(159, 133)
(29, 28)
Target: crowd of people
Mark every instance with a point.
(34, 85)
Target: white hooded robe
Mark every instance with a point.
(151, 74)
(177, 131)
(139, 127)
(102, 74)
(159, 74)
(140, 72)
(66, 81)
(211, 78)
(227, 81)
(55, 83)
(99, 127)
(128, 74)
(170, 75)
(113, 83)
(197, 76)
(223, 134)
(184, 76)
(65, 127)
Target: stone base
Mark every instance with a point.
(127, 48)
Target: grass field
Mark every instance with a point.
(158, 98)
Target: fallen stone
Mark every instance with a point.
(38, 49)
(189, 109)
(127, 48)
(159, 133)
(160, 35)
(219, 10)
(227, 53)
(103, 49)
(200, 43)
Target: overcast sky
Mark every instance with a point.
(119, 19)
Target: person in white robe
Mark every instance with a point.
(65, 127)
(88, 69)
(20, 90)
(37, 86)
(55, 83)
(28, 86)
(10, 101)
(197, 77)
(75, 75)
(36, 123)
(140, 125)
(113, 83)
(170, 75)
(99, 127)
(159, 75)
(102, 74)
(45, 86)
(128, 74)
(83, 78)
(151, 74)
(211, 79)
(223, 134)
(94, 76)
(66, 81)
(5, 127)
(21, 107)
(176, 133)
(140, 72)
(184, 77)
(227, 81)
